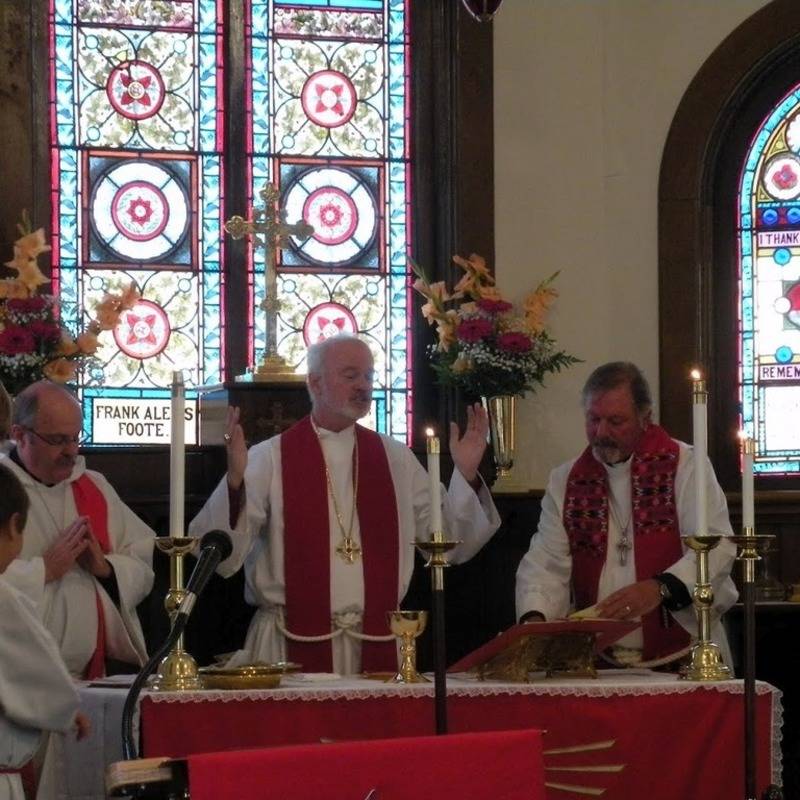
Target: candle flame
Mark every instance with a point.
(429, 431)
(696, 375)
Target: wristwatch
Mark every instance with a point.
(663, 590)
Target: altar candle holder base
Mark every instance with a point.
(407, 626)
(178, 670)
(706, 661)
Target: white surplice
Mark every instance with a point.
(36, 691)
(258, 537)
(67, 605)
(544, 577)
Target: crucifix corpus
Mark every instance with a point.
(269, 230)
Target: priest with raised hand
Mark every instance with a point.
(324, 517)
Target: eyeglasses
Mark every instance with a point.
(58, 439)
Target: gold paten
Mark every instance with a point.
(564, 654)
(248, 676)
(178, 670)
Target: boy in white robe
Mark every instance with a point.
(36, 691)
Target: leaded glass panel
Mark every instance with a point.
(769, 297)
(328, 105)
(137, 165)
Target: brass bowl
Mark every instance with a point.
(248, 676)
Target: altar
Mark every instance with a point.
(633, 734)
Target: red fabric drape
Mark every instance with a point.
(91, 502)
(677, 744)
(476, 766)
(307, 555)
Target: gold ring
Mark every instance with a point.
(226, 437)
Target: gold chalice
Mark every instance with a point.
(407, 625)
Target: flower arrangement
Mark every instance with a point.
(33, 345)
(485, 347)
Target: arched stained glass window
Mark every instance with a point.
(138, 161)
(769, 296)
(327, 122)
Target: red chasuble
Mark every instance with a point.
(655, 528)
(91, 502)
(307, 551)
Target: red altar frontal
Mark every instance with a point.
(633, 735)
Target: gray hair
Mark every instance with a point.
(5, 412)
(318, 352)
(26, 403)
(619, 373)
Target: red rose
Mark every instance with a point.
(514, 342)
(473, 330)
(15, 339)
(494, 306)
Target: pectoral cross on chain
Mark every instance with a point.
(269, 229)
(348, 551)
(623, 546)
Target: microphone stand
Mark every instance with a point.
(129, 750)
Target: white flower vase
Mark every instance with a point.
(502, 411)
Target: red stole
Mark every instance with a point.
(307, 553)
(91, 502)
(655, 527)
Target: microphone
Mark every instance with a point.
(215, 546)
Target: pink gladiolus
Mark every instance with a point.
(494, 306)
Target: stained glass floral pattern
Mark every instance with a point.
(328, 126)
(769, 297)
(137, 156)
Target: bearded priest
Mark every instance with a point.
(324, 517)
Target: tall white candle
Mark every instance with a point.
(435, 483)
(748, 501)
(177, 456)
(700, 441)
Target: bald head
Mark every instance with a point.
(46, 425)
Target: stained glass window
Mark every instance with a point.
(769, 296)
(138, 160)
(136, 134)
(328, 111)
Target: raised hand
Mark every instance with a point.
(236, 449)
(468, 448)
(60, 557)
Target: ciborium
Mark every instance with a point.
(706, 662)
(407, 626)
(178, 670)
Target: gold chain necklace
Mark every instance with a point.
(347, 549)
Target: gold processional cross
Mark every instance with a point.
(268, 229)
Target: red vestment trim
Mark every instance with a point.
(91, 502)
(307, 551)
(655, 527)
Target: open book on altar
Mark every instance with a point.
(563, 647)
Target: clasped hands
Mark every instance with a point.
(75, 544)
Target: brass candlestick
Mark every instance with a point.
(407, 625)
(706, 663)
(177, 671)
